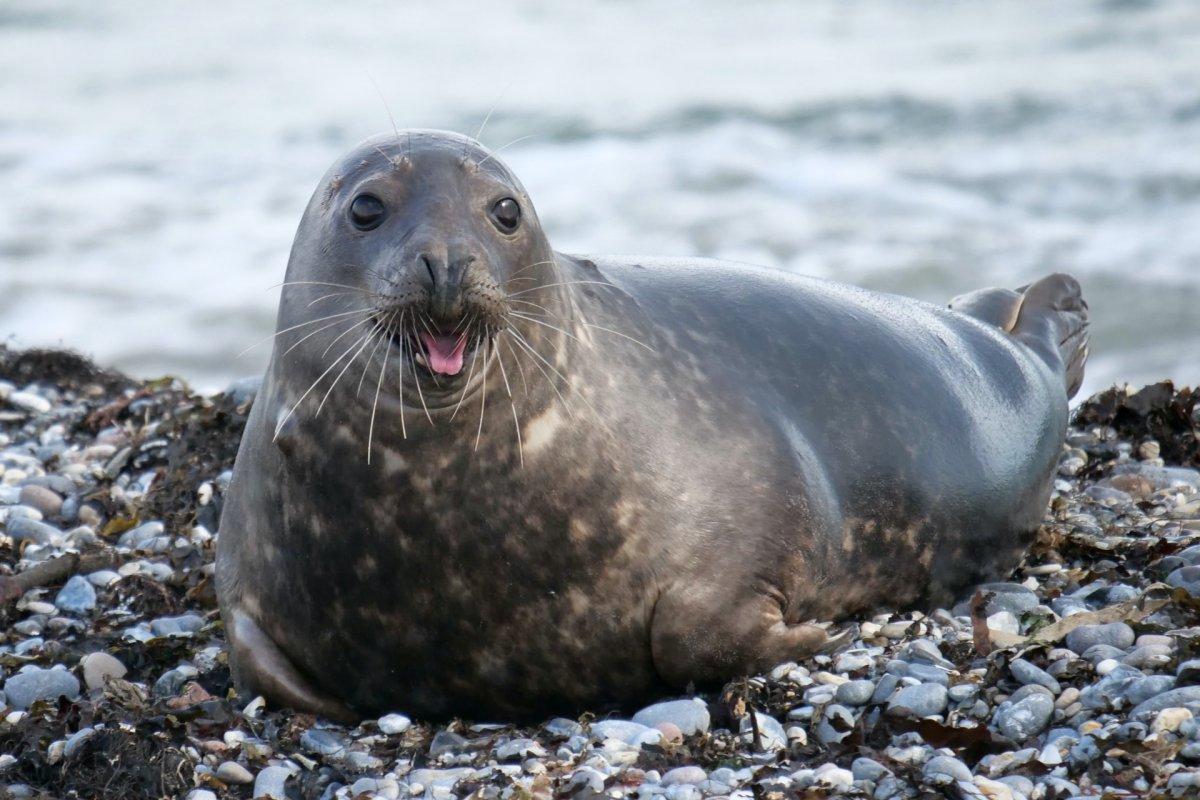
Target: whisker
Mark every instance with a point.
(329, 369)
(412, 360)
(530, 266)
(324, 283)
(498, 150)
(521, 340)
(371, 357)
(366, 341)
(512, 402)
(335, 340)
(561, 283)
(553, 386)
(520, 369)
(363, 311)
(528, 318)
(638, 342)
(400, 374)
(483, 401)
(463, 394)
(378, 386)
(310, 334)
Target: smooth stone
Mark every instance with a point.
(1025, 714)
(270, 783)
(920, 701)
(1114, 634)
(99, 666)
(690, 716)
(26, 688)
(772, 735)
(1175, 698)
(1011, 597)
(392, 724)
(200, 794)
(77, 596)
(1170, 720)
(233, 772)
(103, 578)
(1143, 689)
(944, 770)
(443, 742)
(26, 529)
(855, 693)
(563, 728)
(28, 401)
(1186, 578)
(323, 742)
(1028, 674)
(688, 775)
(885, 688)
(76, 741)
(622, 730)
(44, 500)
(866, 769)
(176, 626)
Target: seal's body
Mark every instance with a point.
(624, 475)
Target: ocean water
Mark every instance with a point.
(155, 158)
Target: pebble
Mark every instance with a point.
(1183, 696)
(690, 716)
(688, 775)
(233, 772)
(327, 743)
(270, 783)
(920, 701)
(392, 724)
(77, 596)
(855, 693)
(26, 529)
(46, 501)
(944, 770)
(35, 683)
(1028, 673)
(177, 626)
(28, 401)
(99, 667)
(1113, 634)
(1025, 714)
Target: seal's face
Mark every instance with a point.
(433, 240)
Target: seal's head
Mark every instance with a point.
(422, 241)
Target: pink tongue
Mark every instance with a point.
(444, 353)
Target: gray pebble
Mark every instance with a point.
(33, 684)
(691, 716)
(866, 769)
(1028, 673)
(392, 724)
(1025, 714)
(97, 667)
(563, 728)
(76, 740)
(920, 701)
(443, 742)
(328, 743)
(855, 693)
(771, 735)
(176, 626)
(1186, 578)
(687, 775)
(77, 596)
(44, 500)
(28, 401)
(1114, 634)
(944, 770)
(1181, 697)
(233, 772)
(885, 688)
(270, 783)
(32, 530)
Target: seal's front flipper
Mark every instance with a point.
(1053, 321)
(698, 635)
(260, 666)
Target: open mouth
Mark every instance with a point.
(441, 353)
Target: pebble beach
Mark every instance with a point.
(1077, 676)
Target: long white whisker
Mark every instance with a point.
(561, 283)
(363, 311)
(354, 323)
(512, 402)
(378, 386)
(549, 380)
(365, 341)
(482, 402)
(519, 315)
(328, 370)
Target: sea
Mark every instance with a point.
(155, 157)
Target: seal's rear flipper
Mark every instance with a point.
(1049, 315)
(1053, 320)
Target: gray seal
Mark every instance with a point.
(484, 478)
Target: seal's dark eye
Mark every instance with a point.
(367, 212)
(506, 215)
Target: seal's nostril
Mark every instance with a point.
(424, 259)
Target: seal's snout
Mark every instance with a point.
(443, 273)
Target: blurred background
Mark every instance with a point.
(155, 158)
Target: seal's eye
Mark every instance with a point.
(367, 212)
(506, 215)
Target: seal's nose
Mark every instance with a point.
(445, 281)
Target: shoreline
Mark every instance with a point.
(1075, 678)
